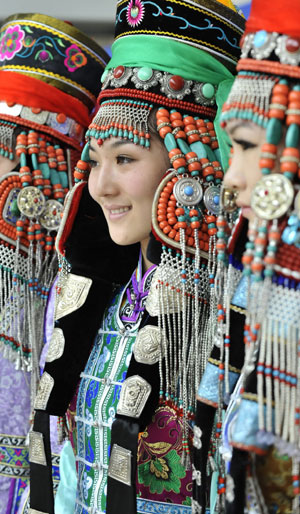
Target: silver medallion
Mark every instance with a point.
(212, 199)
(36, 448)
(123, 80)
(39, 117)
(149, 82)
(148, 345)
(272, 196)
(45, 387)
(170, 296)
(284, 55)
(56, 346)
(200, 98)
(50, 218)
(172, 93)
(133, 397)
(188, 191)
(63, 128)
(120, 464)
(31, 202)
(263, 44)
(72, 295)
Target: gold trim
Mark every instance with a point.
(235, 308)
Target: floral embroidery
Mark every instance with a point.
(135, 12)
(75, 58)
(162, 473)
(11, 42)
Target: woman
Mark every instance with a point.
(130, 418)
(45, 103)
(258, 301)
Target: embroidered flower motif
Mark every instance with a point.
(162, 473)
(11, 42)
(135, 12)
(74, 58)
(28, 41)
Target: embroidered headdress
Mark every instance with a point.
(48, 85)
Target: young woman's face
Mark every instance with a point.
(244, 172)
(123, 181)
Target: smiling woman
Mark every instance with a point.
(131, 334)
(123, 180)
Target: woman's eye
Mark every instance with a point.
(246, 145)
(124, 159)
(92, 163)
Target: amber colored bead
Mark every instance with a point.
(277, 113)
(178, 163)
(174, 152)
(180, 135)
(212, 231)
(172, 234)
(294, 96)
(177, 237)
(189, 128)
(292, 118)
(177, 123)
(181, 224)
(162, 112)
(195, 224)
(194, 166)
(281, 89)
(256, 266)
(291, 167)
(164, 131)
(210, 219)
(179, 211)
(193, 138)
(265, 162)
(279, 99)
(163, 224)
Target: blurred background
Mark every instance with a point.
(95, 17)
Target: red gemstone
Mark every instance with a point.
(119, 72)
(292, 45)
(176, 83)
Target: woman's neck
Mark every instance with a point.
(146, 263)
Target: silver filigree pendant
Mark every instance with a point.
(31, 202)
(212, 199)
(188, 191)
(272, 196)
(51, 215)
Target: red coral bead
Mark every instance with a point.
(292, 45)
(176, 82)
(119, 72)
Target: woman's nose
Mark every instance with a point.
(234, 177)
(102, 181)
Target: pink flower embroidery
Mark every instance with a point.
(135, 12)
(74, 58)
(11, 42)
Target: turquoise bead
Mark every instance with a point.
(292, 136)
(210, 154)
(85, 155)
(199, 149)
(260, 38)
(170, 142)
(208, 90)
(145, 73)
(189, 190)
(274, 131)
(184, 147)
(63, 179)
(54, 177)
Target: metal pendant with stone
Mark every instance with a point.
(212, 199)
(272, 196)
(31, 202)
(50, 218)
(188, 191)
(145, 77)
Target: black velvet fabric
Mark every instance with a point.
(92, 254)
(41, 489)
(238, 470)
(121, 498)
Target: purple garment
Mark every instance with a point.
(14, 415)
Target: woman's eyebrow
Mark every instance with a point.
(242, 123)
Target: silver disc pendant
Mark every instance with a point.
(188, 191)
(50, 218)
(31, 202)
(212, 199)
(272, 196)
